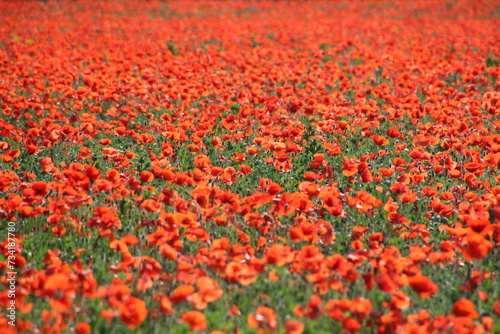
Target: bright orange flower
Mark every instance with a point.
(476, 247)
(350, 167)
(168, 251)
(496, 307)
(483, 295)
(285, 204)
(183, 220)
(264, 318)
(312, 310)
(332, 203)
(208, 292)
(57, 282)
(422, 285)
(400, 300)
(166, 305)
(40, 188)
(252, 150)
(216, 141)
(429, 191)
(245, 169)
(465, 308)
(146, 176)
(196, 320)
(112, 175)
(151, 205)
(394, 133)
(386, 171)
(133, 311)
(181, 293)
(82, 328)
(26, 211)
(241, 273)
(380, 140)
(386, 283)
(351, 325)
(455, 173)
(146, 138)
(294, 327)
(305, 231)
(279, 255)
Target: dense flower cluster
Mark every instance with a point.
(248, 167)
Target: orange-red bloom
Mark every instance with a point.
(465, 308)
(196, 320)
(133, 311)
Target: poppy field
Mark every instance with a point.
(250, 167)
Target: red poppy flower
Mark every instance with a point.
(196, 320)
